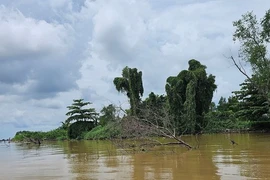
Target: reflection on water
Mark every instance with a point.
(216, 158)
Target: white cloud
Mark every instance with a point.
(60, 3)
(34, 55)
(22, 36)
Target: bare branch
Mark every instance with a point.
(151, 124)
(239, 68)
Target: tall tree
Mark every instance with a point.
(252, 104)
(78, 113)
(222, 104)
(131, 84)
(189, 95)
(254, 38)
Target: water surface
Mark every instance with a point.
(216, 158)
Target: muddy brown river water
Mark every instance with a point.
(216, 158)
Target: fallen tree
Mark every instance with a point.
(150, 125)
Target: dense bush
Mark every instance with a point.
(78, 129)
(221, 122)
(56, 134)
(111, 130)
(24, 135)
(260, 125)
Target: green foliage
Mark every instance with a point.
(239, 112)
(189, 97)
(23, 135)
(231, 105)
(260, 125)
(56, 134)
(110, 130)
(78, 129)
(254, 38)
(189, 115)
(131, 84)
(64, 125)
(154, 100)
(217, 123)
(212, 107)
(222, 104)
(108, 114)
(78, 113)
(224, 117)
(153, 108)
(252, 104)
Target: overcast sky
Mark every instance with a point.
(54, 51)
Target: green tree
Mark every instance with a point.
(108, 114)
(254, 38)
(223, 117)
(131, 84)
(227, 109)
(222, 104)
(154, 108)
(78, 113)
(212, 107)
(154, 100)
(252, 104)
(189, 96)
(189, 116)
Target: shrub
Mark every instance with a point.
(220, 122)
(79, 128)
(22, 135)
(111, 130)
(260, 125)
(56, 134)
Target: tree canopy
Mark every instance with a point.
(254, 38)
(252, 105)
(189, 95)
(108, 114)
(78, 113)
(154, 108)
(131, 84)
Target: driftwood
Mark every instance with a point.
(233, 142)
(162, 144)
(31, 140)
(5, 140)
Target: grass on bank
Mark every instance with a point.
(56, 134)
(109, 131)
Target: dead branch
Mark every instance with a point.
(32, 140)
(163, 144)
(151, 124)
(168, 133)
(263, 90)
(240, 69)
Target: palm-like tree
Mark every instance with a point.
(78, 113)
